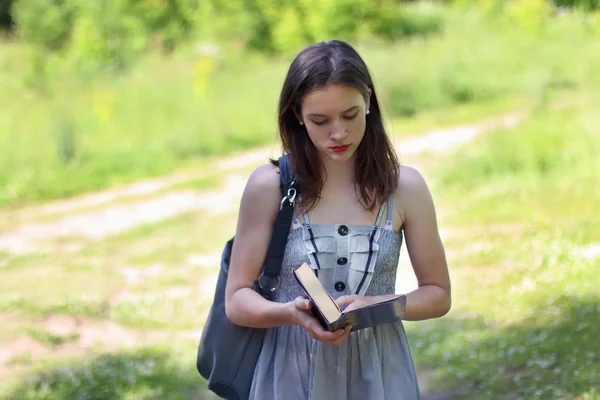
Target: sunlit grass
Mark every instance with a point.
(525, 304)
(158, 372)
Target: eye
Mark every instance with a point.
(322, 122)
(349, 117)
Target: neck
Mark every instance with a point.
(338, 173)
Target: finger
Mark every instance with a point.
(342, 338)
(352, 306)
(326, 336)
(345, 332)
(344, 300)
(307, 321)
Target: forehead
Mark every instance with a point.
(331, 99)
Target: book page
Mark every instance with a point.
(320, 297)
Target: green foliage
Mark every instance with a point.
(106, 33)
(392, 22)
(477, 59)
(6, 20)
(113, 31)
(171, 21)
(45, 23)
(283, 27)
(585, 4)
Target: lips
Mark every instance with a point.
(340, 149)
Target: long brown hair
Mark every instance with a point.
(316, 66)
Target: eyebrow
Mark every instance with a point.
(345, 111)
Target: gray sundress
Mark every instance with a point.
(372, 364)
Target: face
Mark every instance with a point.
(335, 119)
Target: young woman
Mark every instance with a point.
(356, 206)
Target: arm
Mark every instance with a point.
(432, 299)
(258, 210)
(243, 306)
(414, 206)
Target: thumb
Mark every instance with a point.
(302, 303)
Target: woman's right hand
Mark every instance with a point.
(302, 316)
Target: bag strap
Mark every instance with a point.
(269, 280)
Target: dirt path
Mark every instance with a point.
(115, 211)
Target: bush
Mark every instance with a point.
(5, 13)
(585, 4)
(108, 34)
(268, 26)
(283, 27)
(46, 23)
(172, 22)
(394, 22)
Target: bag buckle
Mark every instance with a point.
(290, 197)
(268, 287)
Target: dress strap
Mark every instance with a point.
(305, 216)
(376, 230)
(390, 213)
(380, 214)
(295, 222)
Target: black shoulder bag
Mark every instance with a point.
(228, 353)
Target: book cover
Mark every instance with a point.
(332, 317)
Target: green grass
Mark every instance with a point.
(174, 296)
(63, 133)
(158, 372)
(526, 311)
(114, 130)
(547, 167)
(50, 339)
(456, 115)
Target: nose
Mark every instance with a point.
(338, 131)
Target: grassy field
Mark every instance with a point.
(64, 132)
(148, 286)
(524, 248)
(519, 207)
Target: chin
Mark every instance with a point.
(341, 157)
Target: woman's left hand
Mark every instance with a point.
(353, 301)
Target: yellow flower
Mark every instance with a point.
(203, 69)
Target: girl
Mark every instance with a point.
(356, 205)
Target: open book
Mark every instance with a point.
(332, 317)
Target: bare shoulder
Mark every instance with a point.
(413, 194)
(264, 177)
(410, 179)
(262, 194)
(411, 184)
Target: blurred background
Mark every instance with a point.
(129, 127)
